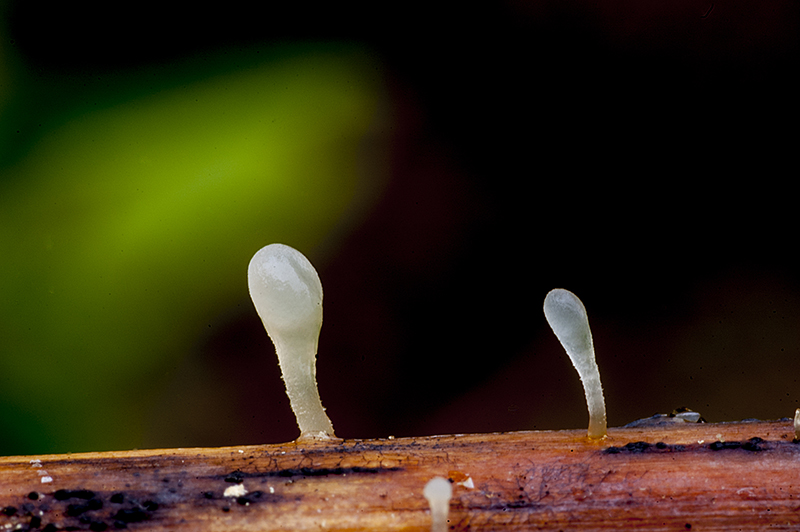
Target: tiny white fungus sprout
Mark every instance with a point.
(797, 424)
(237, 490)
(438, 492)
(287, 294)
(567, 317)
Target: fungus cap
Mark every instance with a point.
(286, 290)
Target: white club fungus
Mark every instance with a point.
(567, 317)
(438, 491)
(287, 294)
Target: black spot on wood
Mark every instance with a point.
(752, 445)
(517, 504)
(328, 471)
(640, 447)
(235, 478)
(633, 447)
(131, 515)
(75, 510)
(150, 506)
(63, 495)
(250, 498)
(725, 445)
(9, 511)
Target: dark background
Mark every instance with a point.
(642, 156)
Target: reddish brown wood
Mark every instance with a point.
(683, 476)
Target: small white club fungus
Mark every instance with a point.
(797, 424)
(438, 492)
(287, 294)
(567, 317)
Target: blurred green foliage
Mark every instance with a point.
(128, 218)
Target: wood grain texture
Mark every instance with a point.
(677, 476)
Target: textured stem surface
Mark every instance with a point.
(301, 387)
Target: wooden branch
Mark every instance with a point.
(679, 476)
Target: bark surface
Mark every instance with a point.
(660, 476)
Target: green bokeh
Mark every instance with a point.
(127, 224)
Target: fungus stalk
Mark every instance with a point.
(438, 492)
(287, 294)
(567, 317)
